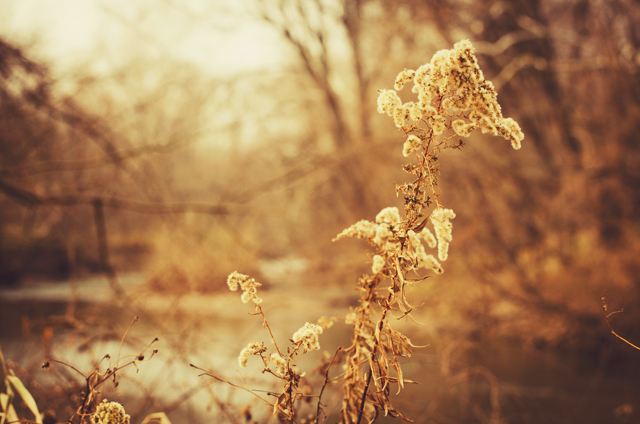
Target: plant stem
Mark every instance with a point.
(364, 396)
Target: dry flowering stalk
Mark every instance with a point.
(106, 412)
(279, 364)
(453, 100)
(248, 285)
(308, 336)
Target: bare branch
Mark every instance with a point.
(28, 198)
(606, 317)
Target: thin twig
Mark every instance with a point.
(606, 317)
(326, 380)
(205, 372)
(364, 396)
(125, 335)
(266, 324)
(46, 366)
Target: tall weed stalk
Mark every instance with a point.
(453, 100)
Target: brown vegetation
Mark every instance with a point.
(179, 178)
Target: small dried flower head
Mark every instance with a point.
(361, 229)
(512, 132)
(412, 144)
(325, 322)
(252, 349)
(403, 78)
(438, 124)
(427, 109)
(428, 236)
(351, 317)
(308, 334)
(463, 128)
(382, 234)
(248, 285)
(376, 232)
(422, 259)
(110, 413)
(401, 114)
(388, 100)
(280, 363)
(454, 77)
(440, 218)
(420, 78)
(429, 262)
(378, 264)
(415, 112)
(390, 215)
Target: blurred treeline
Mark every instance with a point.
(157, 167)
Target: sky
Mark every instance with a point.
(214, 35)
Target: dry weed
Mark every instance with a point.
(453, 100)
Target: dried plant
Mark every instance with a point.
(90, 411)
(453, 100)
(280, 364)
(13, 386)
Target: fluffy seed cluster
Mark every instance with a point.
(452, 81)
(389, 215)
(351, 318)
(248, 285)
(280, 364)
(110, 413)
(403, 78)
(308, 334)
(438, 124)
(420, 256)
(325, 322)
(412, 144)
(463, 128)
(381, 234)
(377, 232)
(378, 264)
(440, 218)
(252, 349)
(361, 229)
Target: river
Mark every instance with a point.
(209, 330)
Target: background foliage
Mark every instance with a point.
(159, 170)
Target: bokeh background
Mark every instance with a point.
(150, 148)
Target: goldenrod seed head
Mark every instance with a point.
(110, 413)
(388, 100)
(252, 349)
(350, 318)
(308, 335)
(412, 144)
(428, 236)
(438, 124)
(454, 78)
(244, 357)
(389, 215)
(248, 285)
(440, 218)
(324, 322)
(280, 363)
(463, 128)
(404, 77)
(378, 264)
(429, 262)
(361, 229)
(400, 114)
(415, 112)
